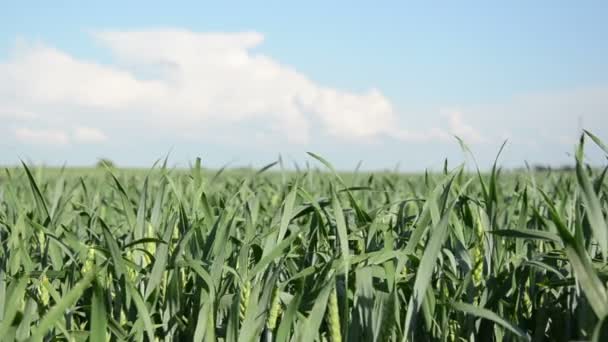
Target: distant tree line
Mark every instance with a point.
(545, 168)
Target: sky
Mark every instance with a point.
(239, 83)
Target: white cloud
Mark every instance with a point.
(195, 86)
(550, 118)
(423, 136)
(41, 136)
(15, 112)
(89, 135)
(58, 137)
(451, 124)
(458, 127)
(187, 83)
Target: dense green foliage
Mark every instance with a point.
(310, 255)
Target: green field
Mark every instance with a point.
(313, 255)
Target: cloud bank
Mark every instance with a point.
(181, 81)
(175, 84)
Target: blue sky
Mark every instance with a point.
(385, 83)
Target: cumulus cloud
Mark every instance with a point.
(89, 135)
(458, 127)
(551, 118)
(452, 123)
(41, 136)
(189, 83)
(58, 137)
(218, 86)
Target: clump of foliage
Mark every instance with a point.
(104, 163)
(304, 256)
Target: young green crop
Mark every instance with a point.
(111, 254)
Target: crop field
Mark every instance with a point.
(308, 255)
